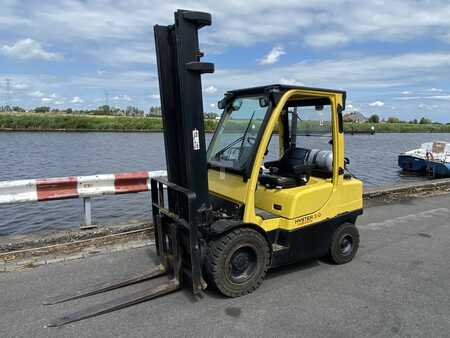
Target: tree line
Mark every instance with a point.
(376, 119)
(154, 111)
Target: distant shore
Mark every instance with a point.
(34, 122)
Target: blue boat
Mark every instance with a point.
(412, 163)
(439, 169)
(432, 159)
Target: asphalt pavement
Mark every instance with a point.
(397, 285)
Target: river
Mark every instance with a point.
(26, 155)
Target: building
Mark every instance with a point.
(355, 117)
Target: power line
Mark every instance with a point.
(106, 98)
(7, 92)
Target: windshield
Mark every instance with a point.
(235, 137)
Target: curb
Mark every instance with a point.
(19, 252)
(409, 190)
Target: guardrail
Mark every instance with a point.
(84, 187)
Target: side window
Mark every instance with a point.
(314, 133)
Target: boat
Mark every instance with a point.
(431, 159)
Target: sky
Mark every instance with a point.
(392, 57)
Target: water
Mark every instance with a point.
(40, 155)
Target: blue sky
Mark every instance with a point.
(392, 57)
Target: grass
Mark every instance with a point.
(32, 121)
(66, 122)
(397, 128)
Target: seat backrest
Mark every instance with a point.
(292, 160)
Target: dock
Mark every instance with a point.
(396, 285)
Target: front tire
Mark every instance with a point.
(237, 262)
(344, 244)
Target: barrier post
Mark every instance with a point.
(87, 214)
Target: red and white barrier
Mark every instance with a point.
(76, 186)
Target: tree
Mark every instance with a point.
(103, 110)
(393, 120)
(42, 110)
(424, 120)
(211, 116)
(155, 111)
(374, 118)
(133, 111)
(18, 109)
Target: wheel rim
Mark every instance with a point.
(242, 264)
(346, 245)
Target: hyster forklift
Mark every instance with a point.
(225, 215)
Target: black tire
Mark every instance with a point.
(237, 262)
(344, 244)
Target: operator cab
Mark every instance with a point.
(304, 120)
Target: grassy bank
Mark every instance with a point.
(397, 128)
(44, 122)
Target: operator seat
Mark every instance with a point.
(289, 171)
(296, 166)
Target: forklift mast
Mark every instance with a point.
(179, 71)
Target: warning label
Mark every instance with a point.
(195, 139)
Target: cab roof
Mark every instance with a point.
(282, 89)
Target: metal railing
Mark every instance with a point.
(84, 187)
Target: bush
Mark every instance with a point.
(374, 119)
(393, 120)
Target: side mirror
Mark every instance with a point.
(263, 102)
(346, 162)
(222, 104)
(237, 103)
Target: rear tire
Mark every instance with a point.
(237, 262)
(344, 244)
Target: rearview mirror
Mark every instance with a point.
(319, 108)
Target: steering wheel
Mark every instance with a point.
(231, 154)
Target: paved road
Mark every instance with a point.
(399, 284)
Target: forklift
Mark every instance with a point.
(224, 216)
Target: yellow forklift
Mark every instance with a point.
(264, 193)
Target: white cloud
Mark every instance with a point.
(429, 97)
(212, 105)
(406, 92)
(155, 96)
(439, 97)
(376, 104)
(436, 90)
(327, 39)
(273, 56)
(137, 53)
(20, 86)
(36, 93)
(122, 98)
(77, 99)
(367, 72)
(235, 23)
(290, 82)
(210, 90)
(53, 98)
(29, 49)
